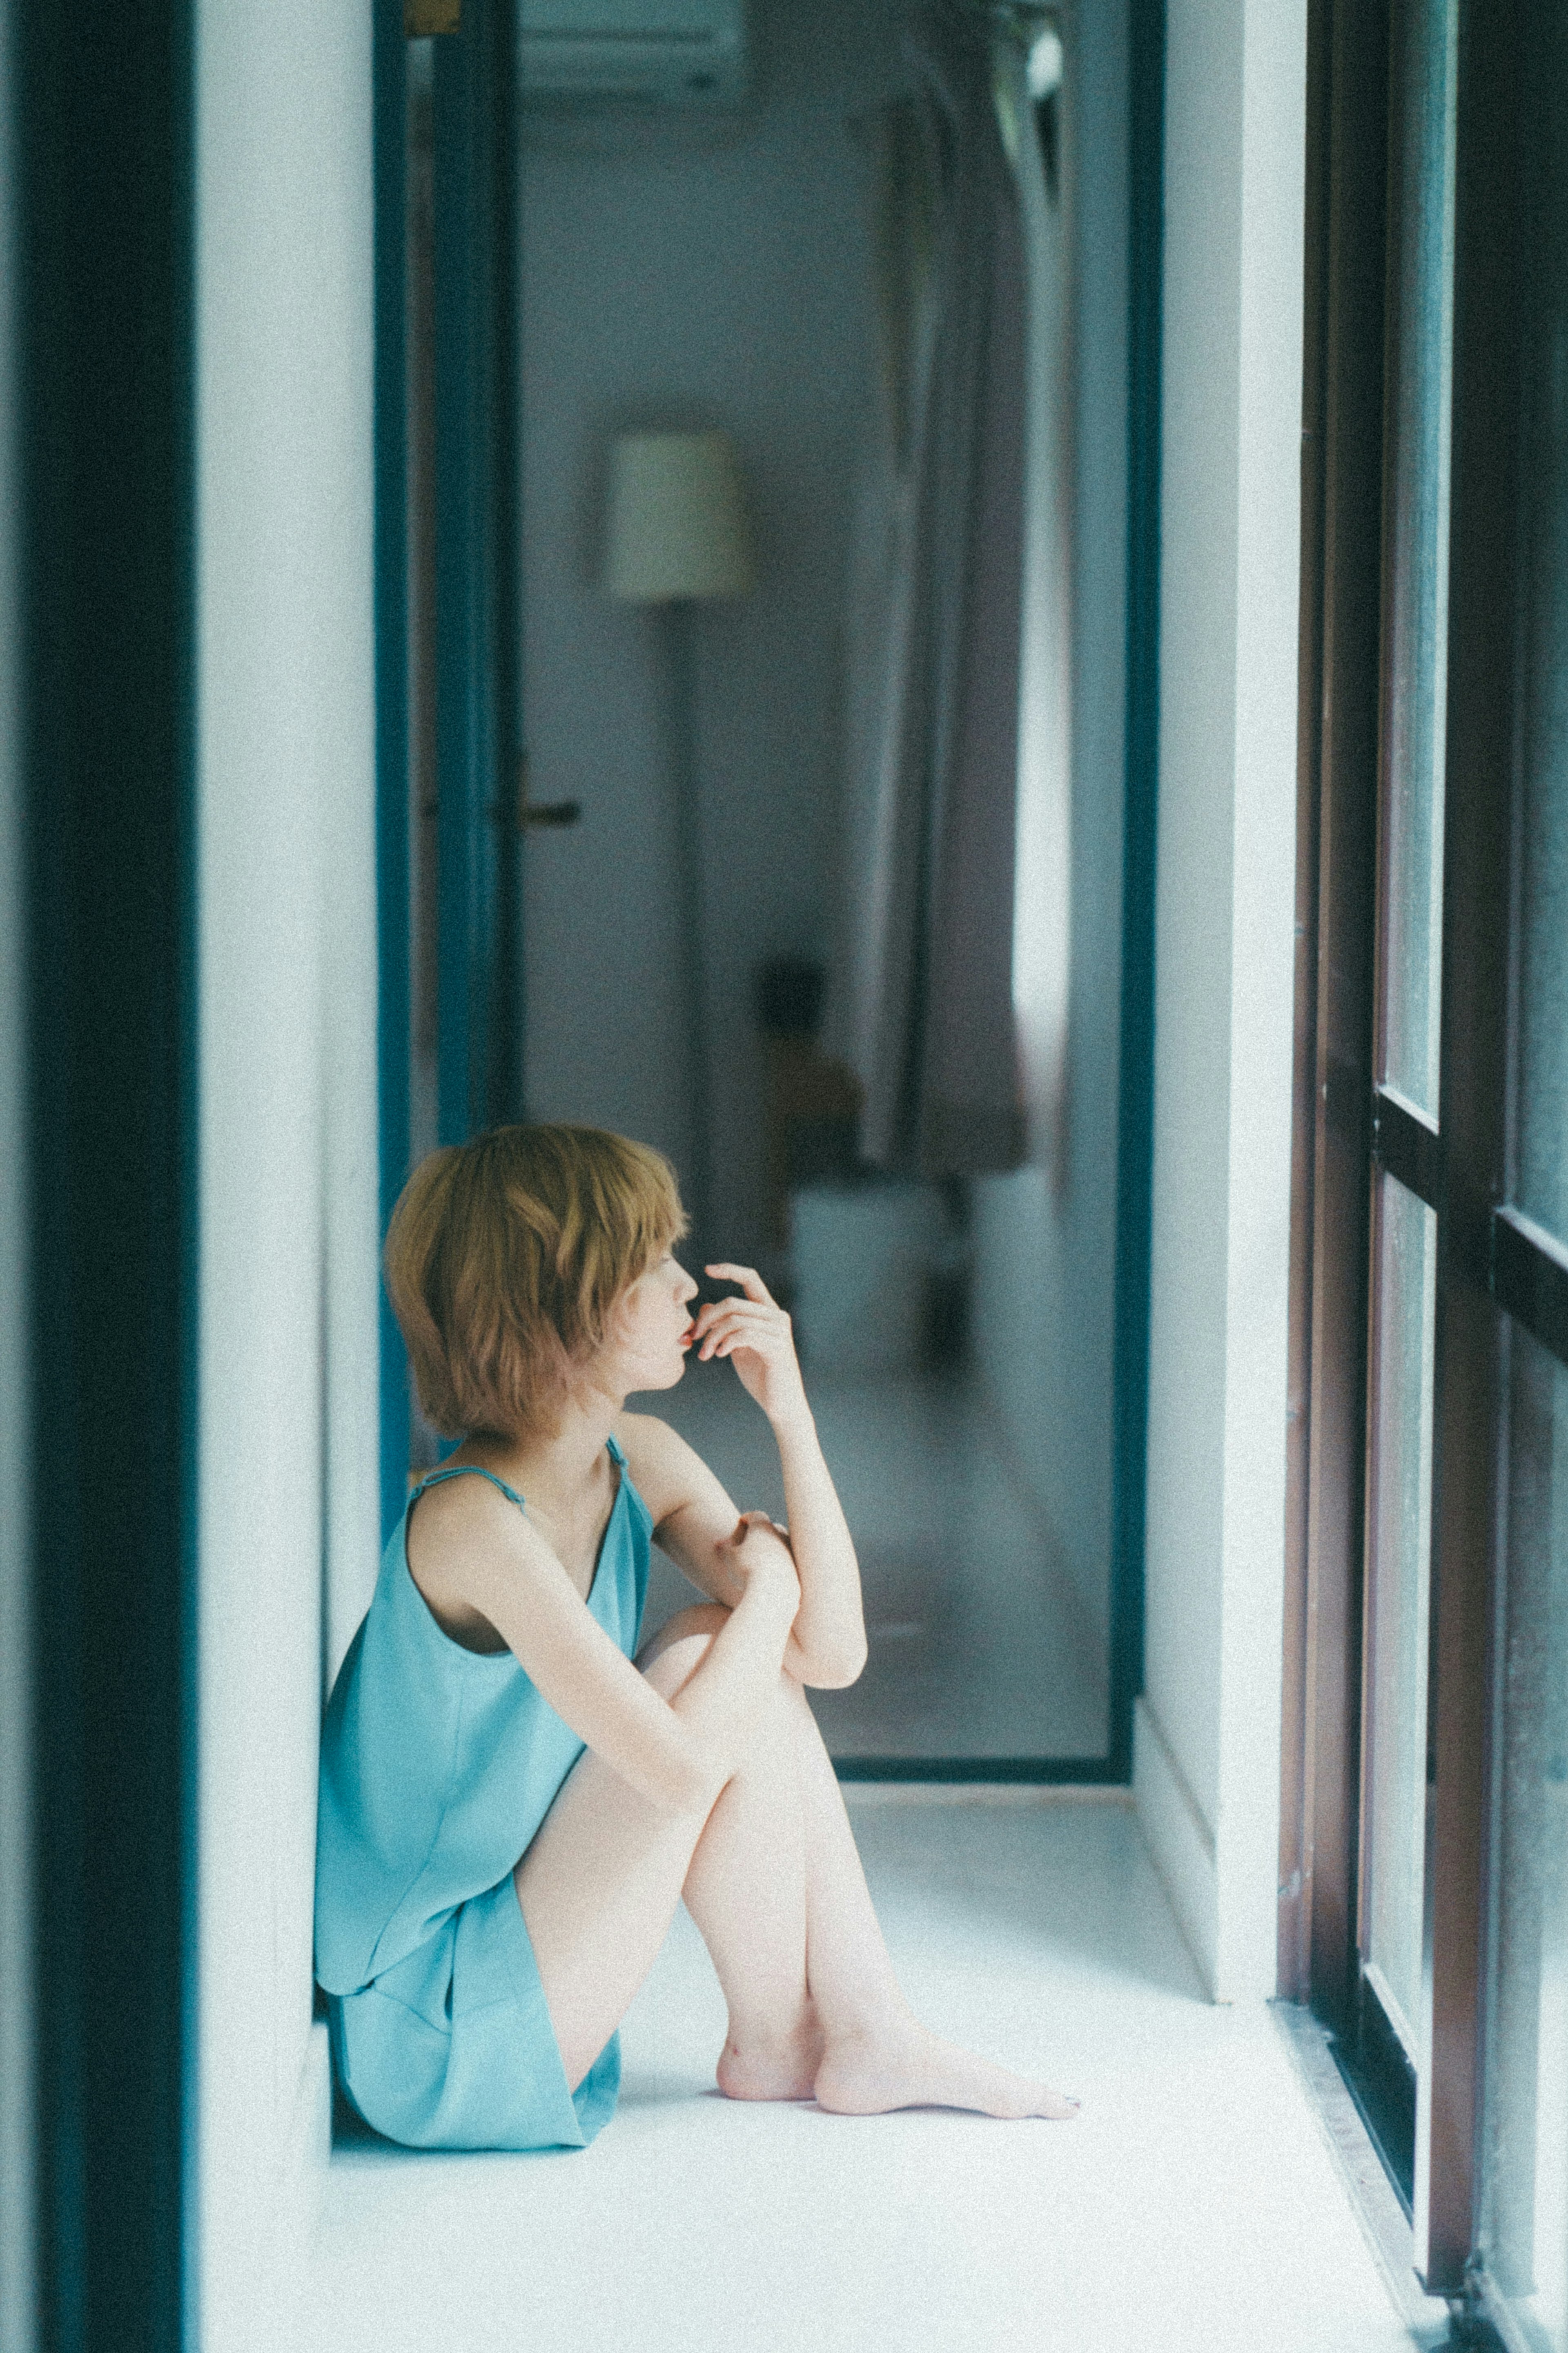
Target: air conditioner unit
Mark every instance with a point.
(676, 52)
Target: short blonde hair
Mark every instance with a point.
(503, 1258)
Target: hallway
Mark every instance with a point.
(982, 1646)
(1194, 2207)
(1293, 1292)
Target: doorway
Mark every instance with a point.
(972, 1314)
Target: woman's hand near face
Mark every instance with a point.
(754, 1332)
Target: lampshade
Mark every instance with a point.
(676, 521)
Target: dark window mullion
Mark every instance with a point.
(1405, 1143)
(1480, 738)
(1529, 1278)
(1352, 57)
(1401, 1141)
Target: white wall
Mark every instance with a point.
(670, 283)
(1207, 1767)
(285, 703)
(1045, 1237)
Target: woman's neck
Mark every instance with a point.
(559, 1469)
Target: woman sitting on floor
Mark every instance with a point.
(510, 1807)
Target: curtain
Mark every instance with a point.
(1032, 129)
(923, 980)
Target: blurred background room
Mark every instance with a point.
(823, 488)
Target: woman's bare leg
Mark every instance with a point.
(773, 1882)
(837, 2026)
(600, 1882)
(746, 1891)
(876, 2053)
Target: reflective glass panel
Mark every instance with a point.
(1526, 2173)
(1541, 1138)
(1541, 1178)
(1417, 678)
(1393, 1843)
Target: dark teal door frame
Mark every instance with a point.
(101, 330)
(478, 741)
(476, 628)
(476, 746)
(1135, 1117)
(394, 992)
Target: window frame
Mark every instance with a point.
(1495, 1267)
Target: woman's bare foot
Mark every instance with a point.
(906, 2067)
(780, 2069)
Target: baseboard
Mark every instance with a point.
(1180, 1842)
(859, 1795)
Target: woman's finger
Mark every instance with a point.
(736, 1331)
(737, 1312)
(746, 1311)
(750, 1280)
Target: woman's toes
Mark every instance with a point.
(862, 2079)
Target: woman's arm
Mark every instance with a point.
(677, 1754)
(694, 1516)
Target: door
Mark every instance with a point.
(1374, 605)
(1423, 1911)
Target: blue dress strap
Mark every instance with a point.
(616, 1457)
(470, 1470)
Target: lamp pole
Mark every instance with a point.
(681, 651)
(676, 533)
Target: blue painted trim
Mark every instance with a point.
(1135, 1132)
(101, 115)
(476, 597)
(459, 551)
(392, 847)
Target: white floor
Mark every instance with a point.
(979, 1645)
(1194, 2207)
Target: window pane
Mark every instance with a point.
(1541, 1140)
(1526, 2178)
(1416, 680)
(1393, 1846)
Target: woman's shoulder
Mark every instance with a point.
(457, 1507)
(466, 1543)
(461, 1493)
(642, 1437)
(658, 1458)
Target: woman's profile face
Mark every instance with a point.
(651, 1327)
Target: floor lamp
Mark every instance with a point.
(676, 536)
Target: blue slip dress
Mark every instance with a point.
(439, 1764)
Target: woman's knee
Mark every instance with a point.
(674, 1654)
